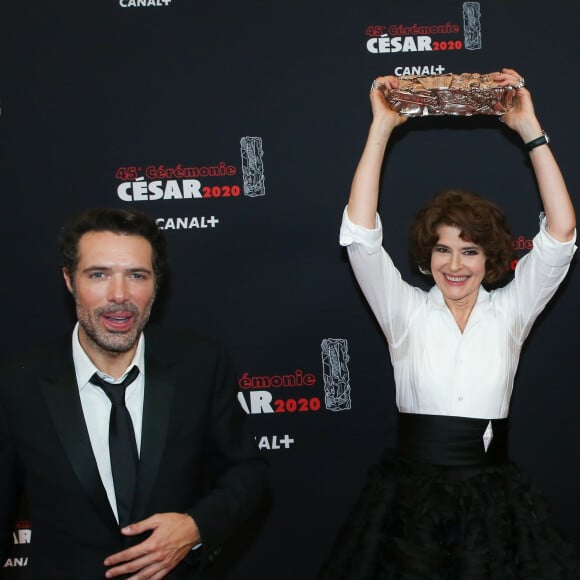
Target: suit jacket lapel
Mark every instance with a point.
(64, 405)
(160, 380)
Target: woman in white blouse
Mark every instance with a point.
(447, 504)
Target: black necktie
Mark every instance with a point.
(122, 445)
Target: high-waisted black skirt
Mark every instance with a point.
(442, 507)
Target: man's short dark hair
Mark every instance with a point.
(117, 221)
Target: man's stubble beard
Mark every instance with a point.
(111, 342)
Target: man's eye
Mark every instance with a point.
(96, 275)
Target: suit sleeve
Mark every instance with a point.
(8, 486)
(239, 471)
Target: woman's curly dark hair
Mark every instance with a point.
(480, 221)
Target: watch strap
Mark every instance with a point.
(543, 139)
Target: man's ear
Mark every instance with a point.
(68, 280)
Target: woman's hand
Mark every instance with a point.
(382, 110)
(522, 116)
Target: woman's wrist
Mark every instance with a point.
(530, 131)
(382, 126)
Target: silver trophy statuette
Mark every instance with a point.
(450, 94)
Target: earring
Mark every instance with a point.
(424, 271)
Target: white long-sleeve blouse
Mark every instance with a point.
(438, 369)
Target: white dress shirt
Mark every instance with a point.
(438, 369)
(97, 407)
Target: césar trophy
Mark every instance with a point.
(450, 94)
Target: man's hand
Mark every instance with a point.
(174, 535)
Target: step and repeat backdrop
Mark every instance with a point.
(237, 125)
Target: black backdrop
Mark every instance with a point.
(238, 126)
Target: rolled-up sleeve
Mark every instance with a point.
(551, 251)
(351, 233)
(538, 275)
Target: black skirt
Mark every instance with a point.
(471, 520)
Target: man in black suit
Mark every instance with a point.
(197, 473)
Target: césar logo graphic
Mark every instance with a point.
(254, 400)
(158, 182)
(402, 38)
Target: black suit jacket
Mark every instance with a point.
(196, 455)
